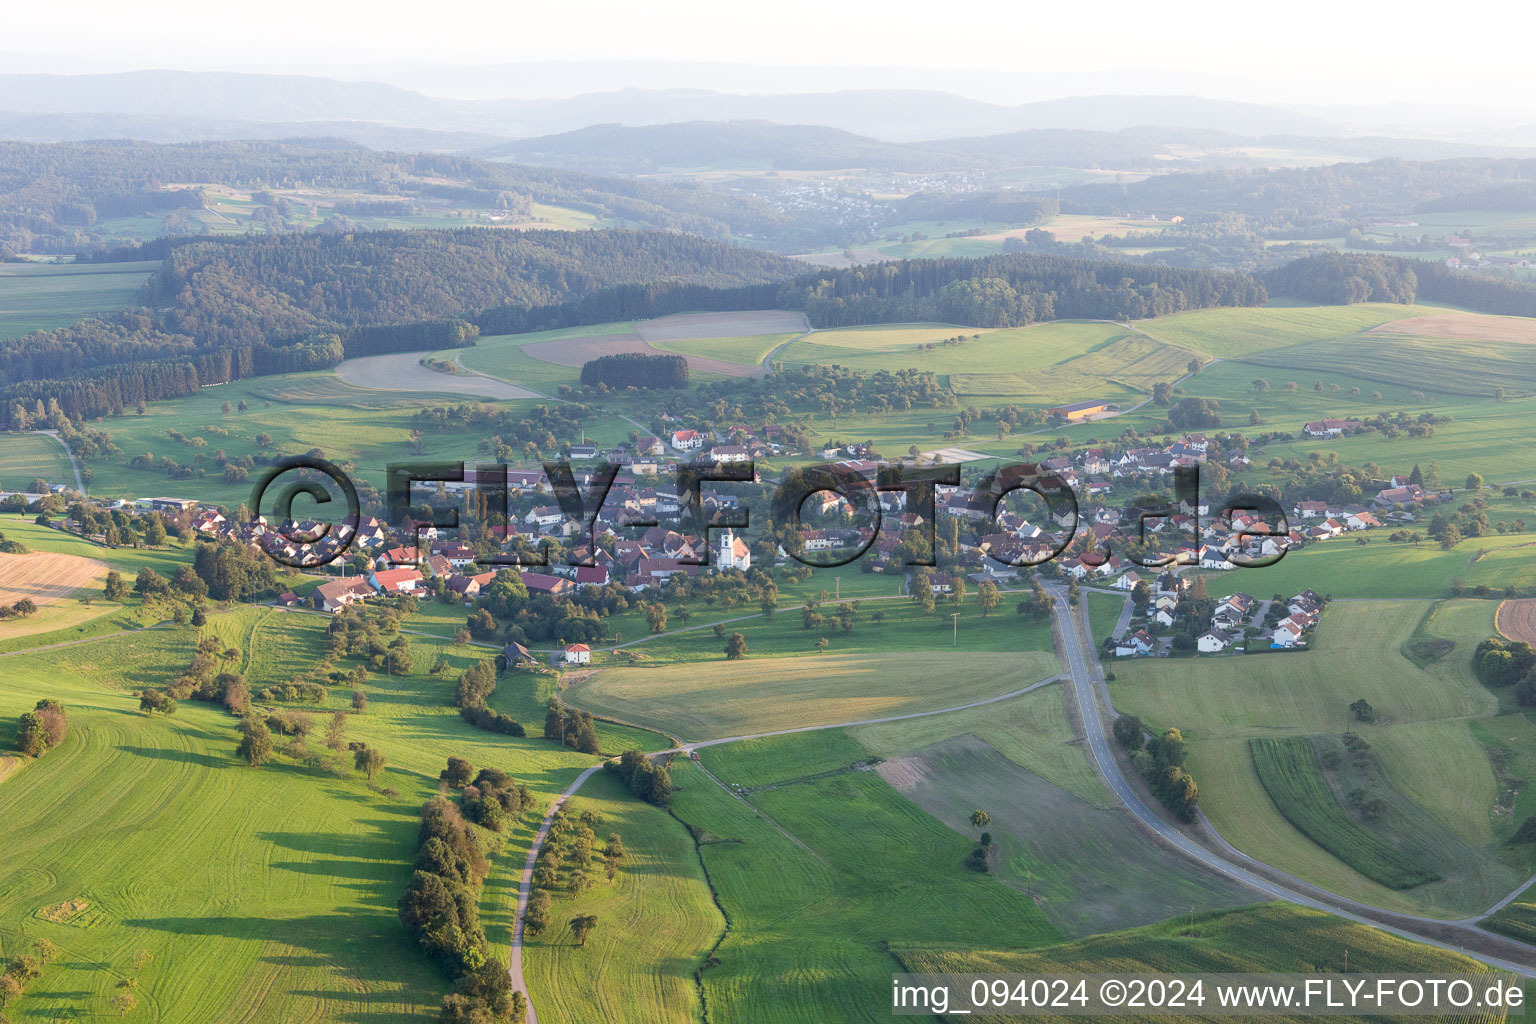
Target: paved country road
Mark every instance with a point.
(1458, 936)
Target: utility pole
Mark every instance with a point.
(954, 617)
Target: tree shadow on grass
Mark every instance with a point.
(184, 756)
(370, 947)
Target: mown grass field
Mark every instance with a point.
(1457, 367)
(1383, 569)
(778, 759)
(902, 627)
(1273, 937)
(264, 894)
(1242, 331)
(42, 296)
(1044, 364)
(24, 457)
(816, 879)
(764, 694)
(298, 411)
(748, 351)
(1033, 731)
(1288, 768)
(1423, 733)
(1088, 871)
(656, 923)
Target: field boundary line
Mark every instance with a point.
(83, 640)
(525, 883)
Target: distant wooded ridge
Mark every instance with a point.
(227, 309)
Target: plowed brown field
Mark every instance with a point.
(1517, 619)
(44, 577)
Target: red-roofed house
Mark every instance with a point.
(395, 581)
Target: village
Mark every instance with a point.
(639, 539)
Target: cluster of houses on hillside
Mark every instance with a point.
(1239, 622)
(633, 551)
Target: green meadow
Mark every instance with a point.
(42, 296)
(817, 880)
(25, 457)
(1434, 770)
(265, 893)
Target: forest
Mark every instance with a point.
(637, 370)
(54, 196)
(1299, 196)
(1344, 278)
(234, 308)
(1012, 290)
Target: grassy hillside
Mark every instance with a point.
(42, 296)
(816, 879)
(1235, 333)
(1269, 938)
(760, 695)
(1033, 731)
(1289, 770)
(656, 923)
(26, 456)
(1423, 736)
(1088, 872)
(283, 910)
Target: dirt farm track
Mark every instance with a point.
(45, 578)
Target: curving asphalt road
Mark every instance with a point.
(1086, 675)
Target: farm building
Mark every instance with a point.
(516, 654)
(1079, 410)
(1328, 428)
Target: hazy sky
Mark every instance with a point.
(1309, 51)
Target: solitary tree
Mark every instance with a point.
(735, 646)
(980, 818)
(336, 732)
(255, 742)
(368, 760)
(988, 597)
(583, 926)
